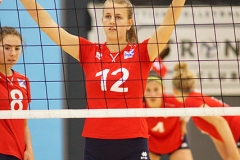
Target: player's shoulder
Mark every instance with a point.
(170, 101)
(20, 75)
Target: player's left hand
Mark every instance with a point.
(28, 155)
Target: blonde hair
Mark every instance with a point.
(131, 33)
(183, 79)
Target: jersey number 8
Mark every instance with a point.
(17, 98)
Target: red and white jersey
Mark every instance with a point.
(114, 80)
(165, 134)
(14, 95)
(196, 99)
(159, 67)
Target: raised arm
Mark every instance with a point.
(163, 33)
(68, 42)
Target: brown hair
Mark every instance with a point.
(131, 33)
(183, 79)
(6, 30)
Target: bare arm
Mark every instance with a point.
(161, 37)
(225, 132)
(68, 42)
(183, 122)
(28, 154)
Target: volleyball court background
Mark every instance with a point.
(48, 135)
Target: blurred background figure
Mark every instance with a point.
(167, 134)
(223, 130)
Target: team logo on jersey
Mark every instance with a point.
(22, 83)
(144, 155)
(128, 54)
(98, 55)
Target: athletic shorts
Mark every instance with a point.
(238, 143)
(120, 149)
(7, 157)
(184, 144)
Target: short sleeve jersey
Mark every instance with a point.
(114, 80)
(165, 132)
(196, 99)
(14, 95)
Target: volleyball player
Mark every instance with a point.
(158, 66)
(116, 73)
(15, 141)
(223, 130)
(167, 134)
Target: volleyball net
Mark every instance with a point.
(207, 37)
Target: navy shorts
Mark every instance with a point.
(7, 157)
(238, 143)
(184, 144)
(120, 149)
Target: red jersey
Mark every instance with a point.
(159, 67)
(165, 132)
(114, 80)
(14, 95)
(196, 99)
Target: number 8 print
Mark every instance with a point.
(17, 98)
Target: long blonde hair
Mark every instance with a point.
(131, 33)
(183, 79)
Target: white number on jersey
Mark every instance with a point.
(159, 127)
(115, 87)
(17, 98)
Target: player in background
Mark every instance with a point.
(223, 130)
(15, 140)
(116, 73)
(167, 135)
(158, 65)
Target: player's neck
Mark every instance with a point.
(6, 71)
(116, 46)
(181, 97)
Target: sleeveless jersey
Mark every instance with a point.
(165, 134)
(196, 99)
(14, 95)
(114, 80)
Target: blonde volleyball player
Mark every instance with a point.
(224, 131)
(15, 141)
(116, 73)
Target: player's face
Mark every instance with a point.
(10, 50)
(115, 22)
(153, 94)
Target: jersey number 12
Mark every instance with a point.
(116, 86)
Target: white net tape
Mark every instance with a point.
(117, 113)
